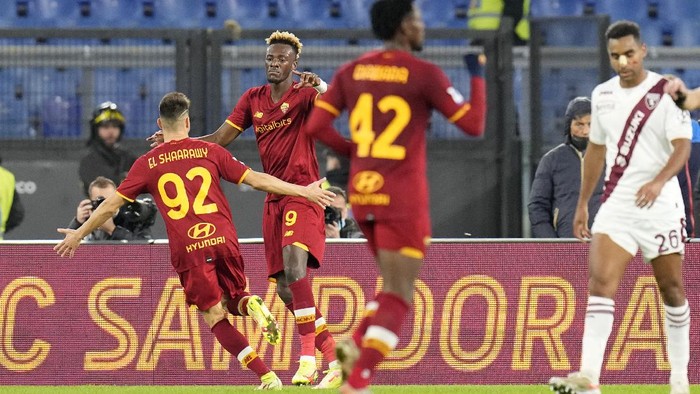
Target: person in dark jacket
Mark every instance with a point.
(114, 229)
(340, 224)
(557, 181)
(105, 157)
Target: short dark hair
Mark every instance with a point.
(173, 105)
(387, 15)
(623, 28)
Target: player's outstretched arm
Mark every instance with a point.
(223, 136)
(71, 242)
(320, 127)
(271, 184)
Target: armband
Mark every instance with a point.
(321, 87)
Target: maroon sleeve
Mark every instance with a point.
(320, 124)
(240, 117)
(469, 116)
(230, 168)
(135, 182)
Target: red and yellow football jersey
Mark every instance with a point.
(284, 150)
(184, 179)
(390, 96)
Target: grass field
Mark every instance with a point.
(511, 389)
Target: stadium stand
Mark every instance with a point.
(548, 8)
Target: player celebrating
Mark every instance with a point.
(183, 175)
(644, 141)
(390, 94)
(293, 229)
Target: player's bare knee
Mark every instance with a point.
(601, 288)
(214, 314)
(672, 293)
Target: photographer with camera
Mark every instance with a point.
(132, 223)
(338, 224)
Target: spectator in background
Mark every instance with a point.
(338, 224)
(105, 157)
(487, 14)
(11, 209)
(557, 181)
(337, 169)
(101, 189)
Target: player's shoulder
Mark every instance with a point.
(255, 91)
(606, 88)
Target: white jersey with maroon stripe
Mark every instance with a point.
(637, 159)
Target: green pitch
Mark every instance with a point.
(530, 389)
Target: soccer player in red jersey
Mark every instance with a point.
(183, 175)
(293, 229)
(389, 94)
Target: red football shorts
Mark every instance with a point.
(292, 221)
(206, 283)
(407, 237)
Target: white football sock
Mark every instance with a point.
(677, 325)
(597, 327)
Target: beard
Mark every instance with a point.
(579, 143)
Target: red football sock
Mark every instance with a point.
(304, 314)
(238, 305)
(370, 311)
(381, 337)
(324, 340)
(235, 343)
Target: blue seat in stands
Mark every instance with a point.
(58, 102)
(686, 33)
(262, 14)
(570, 33)
(622, 10)
(444, 14)
(673, 11)
(60, 117)
(551, 8)
(14, 105)
(324, 14)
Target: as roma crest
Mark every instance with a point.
(284, 107)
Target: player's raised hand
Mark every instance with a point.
(306, 79)
(317, 195)
(156, 139)
(69, 244)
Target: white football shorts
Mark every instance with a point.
(655, 237)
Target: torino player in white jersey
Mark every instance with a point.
(644, 141)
